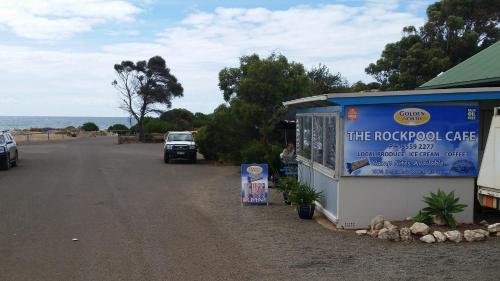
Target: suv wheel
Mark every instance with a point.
(6, 164)
(165, 157)
(14, 163)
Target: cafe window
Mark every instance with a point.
(316, 138)
(304, 130)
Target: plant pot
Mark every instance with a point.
(306, 211)
(285, 198)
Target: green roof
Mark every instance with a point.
(482, 69)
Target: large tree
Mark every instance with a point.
(265, 83)
(454, 31)
(145, 87)
(322, 81)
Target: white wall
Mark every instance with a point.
(362, 198)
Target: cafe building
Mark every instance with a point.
(374, 153)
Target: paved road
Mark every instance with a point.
(139, 219)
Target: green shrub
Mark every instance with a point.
(119, 128)
(443, 206)
(205, 144)
(155, 125)
(254, 152)
(423, 217)
(287, 184)
(304, 194)
(90, 127)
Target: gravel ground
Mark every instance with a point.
(139, 219)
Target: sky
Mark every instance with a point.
(57, 56)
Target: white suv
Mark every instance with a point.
(179, 145)
(8, 151)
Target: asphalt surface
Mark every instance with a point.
(137, 218)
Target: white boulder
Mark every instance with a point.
(373, 233)
(440, 237)
(429, 238)
(454, 235)
(419, 228)
(390, 234)
(377, 223)
(405, 234)
(473, 235)
(361, 232)
(482, 231)
(494, 227)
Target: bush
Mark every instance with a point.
(423, 217)
(304, 194)
(205, 144)
(90, 127)
(155, 125)
(443, 206)
(118, 127)
(287, 184)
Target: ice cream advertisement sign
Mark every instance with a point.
(393, 140)
(254, 184)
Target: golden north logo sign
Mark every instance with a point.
(254, 170)
(412, 116)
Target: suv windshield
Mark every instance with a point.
(180, 137)
(2, 139)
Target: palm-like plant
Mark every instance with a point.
(304, 194)
(443, 206)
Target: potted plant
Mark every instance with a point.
(287, 185)
(303, 197)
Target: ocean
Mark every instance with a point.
(54, 122)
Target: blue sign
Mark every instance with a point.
(254, 184)
(397, 140)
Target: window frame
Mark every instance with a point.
(309, 161)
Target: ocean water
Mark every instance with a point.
(54, 122)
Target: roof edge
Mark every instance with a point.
(312, 100)
(461, 83)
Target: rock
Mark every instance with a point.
(361, 232)
(428, 238)
(483, 222)
(471, 235)
(419, 228)
(482, 231)
(373, 233)
(454, 235)
(439, 221)
(494, 227)
(409, 219)
(440, 237)
(389, 225)
(377, 223)
(390, 234)
(498, 234)
(405, 234)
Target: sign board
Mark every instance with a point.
(397, 140)
(254, 184)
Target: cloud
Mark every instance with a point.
(344, 38)
(59, 19)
